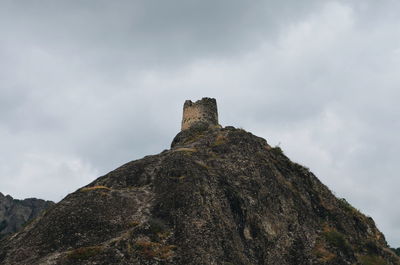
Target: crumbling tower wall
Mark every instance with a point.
(202, 111)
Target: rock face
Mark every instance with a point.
(219, 196)
(15, 213)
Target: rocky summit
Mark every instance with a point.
(15, 213)
(218, 196)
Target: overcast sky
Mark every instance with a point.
(86, 86)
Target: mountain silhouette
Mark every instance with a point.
(219, 195)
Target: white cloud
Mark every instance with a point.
(84, 89)
(55, 175)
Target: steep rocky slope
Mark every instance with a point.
(219, 196)
(15, 213)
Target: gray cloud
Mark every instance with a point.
(86, 87)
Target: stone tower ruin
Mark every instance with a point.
(203, 111)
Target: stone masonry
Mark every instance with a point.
(202, 111)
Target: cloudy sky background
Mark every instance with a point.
(86, 86)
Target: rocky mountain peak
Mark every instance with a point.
(218, 196)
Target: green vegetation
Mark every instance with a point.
(302, 168)
(322, 253)
(202, 164)
(152, 250)
(219, 140)
(337, 240)
(396, 250)
(84, 253)
(371, 260)
(277, 150)
(157, 226)
(371, 247)
(194, 138)
(345, 205)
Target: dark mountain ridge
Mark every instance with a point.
(219, 196)
(15, 213)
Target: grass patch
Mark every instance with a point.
(322, 253)
(98, 187)
(151, 250)
(337, 240)
(302, 168)
(84, 253)
(219, 140)
(129, 247)
(185, 149)
(345, 205)
(277, 150)
(372, 247)
(194, 138)
(178, 177)
(396, 250)
(133, 224)
(202, 164)
(371, 260)
(157, 226)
